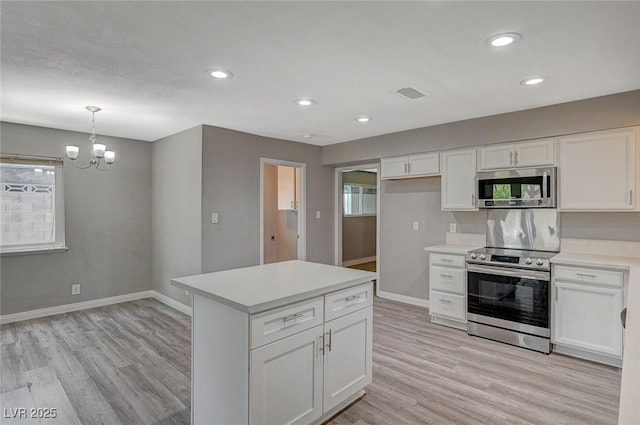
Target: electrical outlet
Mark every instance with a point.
(416, 225)
(317, 215)
(452, 227)
(214, 218)
(186, 293)
(75, 289)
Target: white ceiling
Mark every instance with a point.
(144, 63)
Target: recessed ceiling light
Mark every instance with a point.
(533, 81)
(307, 135)
(305, 102)
(220, 74)
(502, 40)
(363, 119)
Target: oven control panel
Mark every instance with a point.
(502, 259)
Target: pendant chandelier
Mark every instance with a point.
(100, 158)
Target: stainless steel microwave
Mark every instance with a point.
(517, 188)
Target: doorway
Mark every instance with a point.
(282, 211)
(357, 218)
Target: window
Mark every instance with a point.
(32, 212)
(359, 199)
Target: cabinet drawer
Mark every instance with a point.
(344, 302)
(449, 305)
(438, 259)
(598, 276)
(276, 324)
(447, 279)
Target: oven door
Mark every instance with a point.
(510, 298)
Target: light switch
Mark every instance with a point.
(214, 218)
(416, 225)
(452, 227)
(317, 215)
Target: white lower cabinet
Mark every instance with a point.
(347, 356)
(448, 289)
(301, 377)
(285, 380)
(586, 313)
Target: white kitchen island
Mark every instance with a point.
(282, 343)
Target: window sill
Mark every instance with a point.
(34, 250)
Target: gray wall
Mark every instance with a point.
(599, 113)
(177, 208)
(108, 230)
(359, 233)
(403, 263)
(231, 187)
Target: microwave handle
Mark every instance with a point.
(544, 185)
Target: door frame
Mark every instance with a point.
(337, 218)
(302, 205)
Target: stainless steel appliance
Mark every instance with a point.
(508, 282)
(517, 188)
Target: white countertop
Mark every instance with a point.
(452, 248)
(592, 260)
(259, 288)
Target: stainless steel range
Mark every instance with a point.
(509, 280)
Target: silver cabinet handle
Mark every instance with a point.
(446, 276)
(623, 317)
(630, 196)
(291, 317)
(544, 186)
(515, 158)
(511, 158)
(592, 276)
(405, 168)
(329, 344)
(408, 168)
(473, 200)
(352, 297)
(445, 301)
(445, 260)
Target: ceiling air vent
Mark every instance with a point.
(410, 93)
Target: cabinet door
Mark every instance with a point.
(498, 156)
(393, 167)
(534, 154)
(285, 380)
(459, 180)
(597, 171)
(286, 188)
(424, 164)
(347, 360)
(588, 317)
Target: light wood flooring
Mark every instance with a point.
(130, 364)
(369, 266)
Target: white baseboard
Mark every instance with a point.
(100, 302)
(68, 308)
(404, 299)
(172, 303)
(358, 261)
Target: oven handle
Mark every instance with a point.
(502, 271)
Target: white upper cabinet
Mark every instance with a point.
(459, 180)
(524, 154)
(287, 188)
(419, 165)
(597, 171)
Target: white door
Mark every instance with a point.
(534, 154)
(588, 317)
(498, 156)
(424, 164)
(347, 360)
(393, 167)
(597, 171)
(459, 180)
(285, 380)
